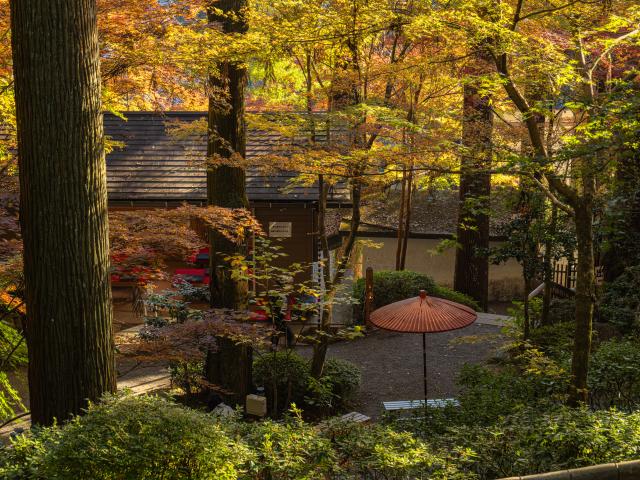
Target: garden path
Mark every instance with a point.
(391, 362)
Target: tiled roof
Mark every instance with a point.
(433, 213)
(157, 166)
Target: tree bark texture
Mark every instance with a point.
(406, 231)
(63, 205)
(227, 140)
(471, 275)
(401, 221)
(230, 365)
(548, 267)
(585, 295)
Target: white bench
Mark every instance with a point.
(356, 417)
(412, 404)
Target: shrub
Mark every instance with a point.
(490, 394)
(454, 296)
(285, 377)
(288, 450)
(391, 286)
(620, 302)
(375, 451)
(128, 437)
(562, 310)
(287, 374)
(343, 381)
(531, 441)
(555, 340)
(614, 377)
(187, 376)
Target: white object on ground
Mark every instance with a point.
(223, 410)
(355, 417)
(411, 404)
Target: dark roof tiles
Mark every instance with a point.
(154, 165)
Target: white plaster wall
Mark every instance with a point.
(505, 280)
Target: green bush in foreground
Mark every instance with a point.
(128, 437)
(151, 438)
(392, 286)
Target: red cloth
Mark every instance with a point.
(197, 275)
(191, 271)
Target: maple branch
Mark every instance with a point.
(613, 45)
(6, 87)
(550, 195)
(550, 10)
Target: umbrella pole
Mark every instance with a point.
(424, 366)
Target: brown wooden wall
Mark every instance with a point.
(301, 247)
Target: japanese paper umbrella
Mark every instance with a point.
(423, 314)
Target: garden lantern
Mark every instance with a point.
(423, 314)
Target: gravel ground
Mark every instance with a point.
(391, 362)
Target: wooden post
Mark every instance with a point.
(368, 296)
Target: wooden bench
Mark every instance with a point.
(413, 404)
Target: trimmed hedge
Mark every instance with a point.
(286, 377)
(392, 286)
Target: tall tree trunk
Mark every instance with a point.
(322, 345)
(229, 366)
(63, 206)
(407, 219)
(471, 274)
(226, 141)
(548, 266)
(585, 294)
(401, 222)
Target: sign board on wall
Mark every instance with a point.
(280, 229)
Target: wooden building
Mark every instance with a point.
(153, 167)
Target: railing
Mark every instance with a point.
(564, 274)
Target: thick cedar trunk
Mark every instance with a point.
(227, 140)
(471, 274)
(63, 206)
(585, 294)
(229, 366)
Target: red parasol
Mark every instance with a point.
(423, 315)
